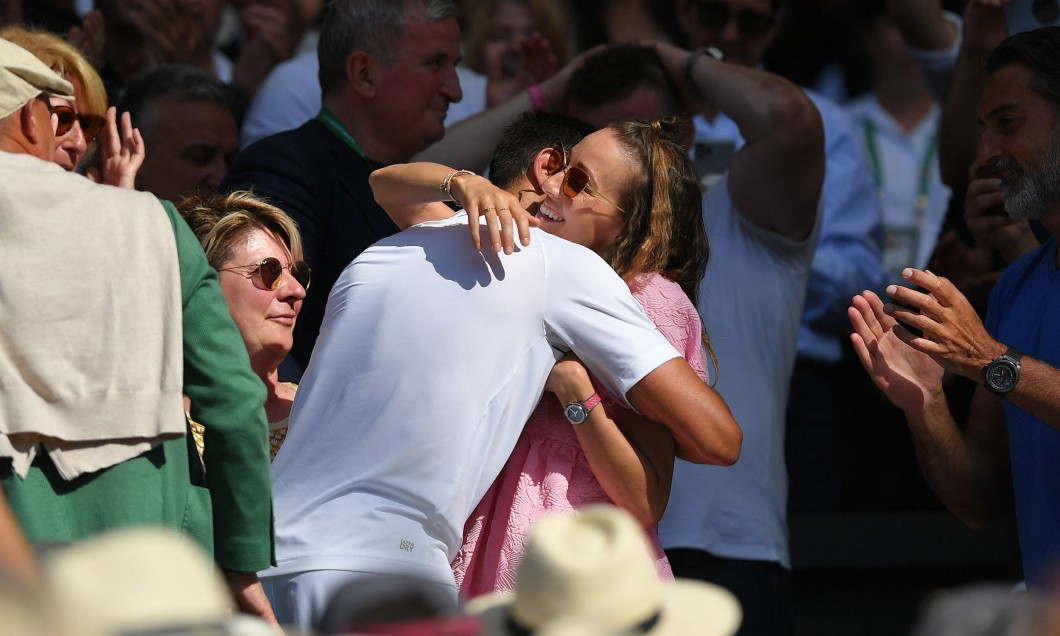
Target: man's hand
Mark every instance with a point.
(675, 59)
(984, 214)
(952, 333)
(910, 379)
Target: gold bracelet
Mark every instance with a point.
(446, 184)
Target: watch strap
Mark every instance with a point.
(591, 403)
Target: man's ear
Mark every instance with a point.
(362, 73)
(537, 173)
(31, 127)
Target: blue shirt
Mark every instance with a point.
(1024, 313)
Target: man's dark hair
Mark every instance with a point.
(1040, 50)
(617, 72)
(147, 88)
(527, 136)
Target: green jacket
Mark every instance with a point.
(157, 487)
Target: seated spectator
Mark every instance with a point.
(81, 120)
(190, 124)
(252, 243)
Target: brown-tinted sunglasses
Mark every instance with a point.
(269, 271)
(90, 124)
(575, 180)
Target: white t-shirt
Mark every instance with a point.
(751, 301)
(430, 359)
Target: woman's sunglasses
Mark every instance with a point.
(715, 15)
(575, 180)
(90, 124)
(269, 271)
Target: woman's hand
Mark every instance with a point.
(121, 159)
(501, 209)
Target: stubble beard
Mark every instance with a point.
(1038, 191)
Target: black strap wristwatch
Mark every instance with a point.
(1003, 372)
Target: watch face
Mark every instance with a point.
(1001, 375)
(575, 413)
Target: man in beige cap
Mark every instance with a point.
(25, 85)
(111, 317)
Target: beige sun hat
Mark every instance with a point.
(141, 581)
(596, 569)
(23, 77)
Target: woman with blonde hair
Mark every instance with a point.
(78, 123)
(629, 193)
(256, 249)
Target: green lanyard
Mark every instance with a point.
(332, 123)
(920, 203)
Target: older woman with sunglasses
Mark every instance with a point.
(629, 193)
(78, 123)
(257, 251)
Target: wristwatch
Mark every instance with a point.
(578, 412)
(1003, 372)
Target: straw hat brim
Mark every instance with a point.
(689, 607)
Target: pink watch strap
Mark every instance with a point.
(591, 403)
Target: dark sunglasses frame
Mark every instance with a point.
(90, 124)
(269, 271)
(714, 14)
(575, 180)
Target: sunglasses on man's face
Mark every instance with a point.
(575, 180)
(90, 124)
(269, 271)
(715, 15)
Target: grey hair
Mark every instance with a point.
(372, 26)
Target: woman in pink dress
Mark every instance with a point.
(630, 193)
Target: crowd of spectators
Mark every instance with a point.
(841, 214)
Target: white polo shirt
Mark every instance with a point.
(430, 359)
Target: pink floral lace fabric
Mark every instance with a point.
(548, 472)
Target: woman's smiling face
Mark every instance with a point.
(588, 218)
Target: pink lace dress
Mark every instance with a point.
(548, 472)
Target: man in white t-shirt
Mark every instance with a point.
(430, 359)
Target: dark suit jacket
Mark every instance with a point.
(314, 176)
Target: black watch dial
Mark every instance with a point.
(1001, 375)
(576, 412)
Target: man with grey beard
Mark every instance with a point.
(1009, 452)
